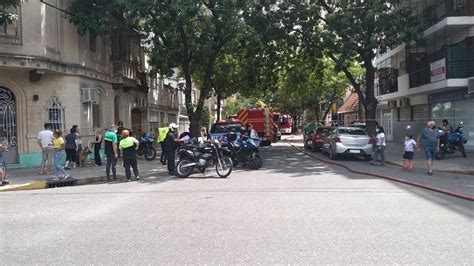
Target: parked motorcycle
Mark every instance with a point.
(146, 148)
(202, 156)
(450, 142)
(244, 151)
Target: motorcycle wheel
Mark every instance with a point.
(183, 171)
(462, 150)
(150, 154)
(225, 167)
(439, 155)
(255, 162)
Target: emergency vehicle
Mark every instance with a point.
(284, 122)
(262, 122)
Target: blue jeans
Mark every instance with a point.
(380, 150)
(58, 158)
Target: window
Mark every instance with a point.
(3, 29)
(55, 113)
(92, 41)
(350, 131)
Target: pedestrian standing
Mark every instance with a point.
(430, 139)
(129, 146)
(3, 181)
(162, 132)
(171, 141)
(75, 128)
(58, 146)
(120, 128)
(380, 149)
(97, 145)
(408, 152)
(45, 141)
(111, 151)
(71, 149)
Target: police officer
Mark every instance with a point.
(111, 151)
(129, 147)
(170, 146)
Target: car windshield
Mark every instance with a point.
(225, 127)
(352, 131)
(323, 130)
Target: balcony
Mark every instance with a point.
(459, 65)
(441, 9)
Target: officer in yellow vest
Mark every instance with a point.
(129, 146)
(162, 132)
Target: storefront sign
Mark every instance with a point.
(438, 70)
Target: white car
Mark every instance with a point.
(349, 141)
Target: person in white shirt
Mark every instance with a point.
(45, 142)
(380, 149)
(409, 152)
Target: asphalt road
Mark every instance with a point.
(294, 210)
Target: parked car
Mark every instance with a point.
(348, 141)
(308, 133)
(317, 140)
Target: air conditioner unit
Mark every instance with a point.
(392, 104)
(89, 95)
(404, 102)
(470, 86)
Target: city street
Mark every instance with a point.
(293, 210)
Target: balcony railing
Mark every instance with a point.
(441, 9)
(459, 64)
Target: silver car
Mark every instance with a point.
(351, 141)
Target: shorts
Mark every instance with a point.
(429, 153)
(71, 155)
(408, 155)
(47, 154)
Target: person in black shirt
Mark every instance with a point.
(170, 147)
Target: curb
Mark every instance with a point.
(25, 186)
(403, 181)
(452, 171)
(43, 184)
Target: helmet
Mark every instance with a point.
(173, 126)
(125, 133)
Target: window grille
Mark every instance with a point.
(55, 113)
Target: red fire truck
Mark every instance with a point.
(262, 121)
(284, 122)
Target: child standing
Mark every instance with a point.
(409, 152)
(58, 146)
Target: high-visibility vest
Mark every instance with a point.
(162, 132)
(127, 143)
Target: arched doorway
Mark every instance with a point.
(136, 120)
(8, 125)
(116, 109)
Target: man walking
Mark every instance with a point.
(45, 141)
(170, 145)
(111, 151)
(129, 146)
(430, 139)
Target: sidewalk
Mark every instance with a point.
(28, 178)
(454, 163)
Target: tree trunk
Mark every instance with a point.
(370, 99)
(218, 111)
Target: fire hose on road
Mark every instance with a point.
(411, 183)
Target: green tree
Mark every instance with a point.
(187, 34)
(7, 17)
(356, 30)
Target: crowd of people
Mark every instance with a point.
(117, 142)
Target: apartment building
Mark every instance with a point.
(433, 80)
(50, 73)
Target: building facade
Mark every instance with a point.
(50, 73)
(427, 81)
